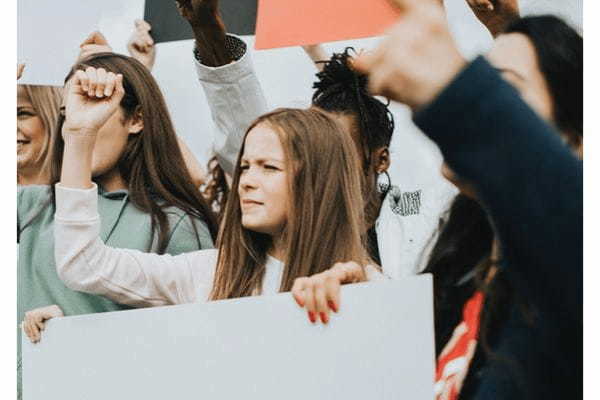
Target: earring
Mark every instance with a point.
(384, 187)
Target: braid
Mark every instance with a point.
(341, 89)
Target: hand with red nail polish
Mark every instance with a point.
(320, 293)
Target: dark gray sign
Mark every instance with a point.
(167, 25)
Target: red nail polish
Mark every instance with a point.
(324, 318)
(332, 305)
(312, 317)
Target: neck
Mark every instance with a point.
(32, 178)
(112, 181)
(277, 249)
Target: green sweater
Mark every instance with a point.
(122, 226)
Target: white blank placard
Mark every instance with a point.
(49, 33)
(380, 346)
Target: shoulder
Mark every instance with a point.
(31, 197)
(33, 192)
(187, 233)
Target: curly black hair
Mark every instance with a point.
(341, 89)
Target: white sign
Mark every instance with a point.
(379, 346)
(49, 33)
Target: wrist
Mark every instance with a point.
(70, 131)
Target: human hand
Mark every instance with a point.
(35, 321)
(94, 43)
(495, 14)
(20, 68)
(320, 293)
(141, 45)
(417, 59)
(92, 96)
(198, 12)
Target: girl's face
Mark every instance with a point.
(110, 143)
(31, 133)
(263, 185)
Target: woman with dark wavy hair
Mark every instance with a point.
(542, 57)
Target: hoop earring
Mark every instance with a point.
(384, 188)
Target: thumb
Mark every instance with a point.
(95, 38)
(142, 25)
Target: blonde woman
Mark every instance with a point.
(296, 210)
(37, 114)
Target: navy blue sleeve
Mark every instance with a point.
(526, 178)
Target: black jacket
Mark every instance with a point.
(532, 187)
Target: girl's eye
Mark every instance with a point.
(271, 167)
(244, 167)
(22, 113)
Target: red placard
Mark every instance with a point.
(282, 23)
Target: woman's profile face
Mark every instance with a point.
(514, 56)
(31, 133)
(263, 184)
(111, 140)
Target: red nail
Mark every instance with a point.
(332, 305)
(324, 318)
(312, 317)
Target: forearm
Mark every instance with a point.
(77, 159)
(235, 97)
(84, 263)
(210, 35)
(526, 177)
(316, 53)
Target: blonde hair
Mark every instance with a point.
(46, 101)
(325, 219)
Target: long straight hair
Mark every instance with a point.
(151, 164)
(325, 218)
(46, 101)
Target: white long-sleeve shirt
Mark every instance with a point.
(131, 277)
(126, 276)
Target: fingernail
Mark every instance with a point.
(312, 317)
(332, 305)
(324, 318)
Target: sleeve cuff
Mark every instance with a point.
(229, 73)
(76, 204)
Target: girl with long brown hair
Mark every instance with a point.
(145, 195)
(296, 210)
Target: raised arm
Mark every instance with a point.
(225, 70)
(317, 53)
(83, 261)
(526, 177)
(141, 45)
